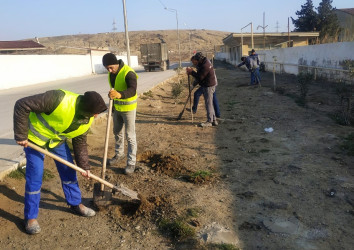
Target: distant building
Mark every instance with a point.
(10, 47)
(237, 45)
(346, 22)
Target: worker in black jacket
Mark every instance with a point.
(205, 76)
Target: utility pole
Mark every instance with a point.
(179, 44)
(288, 32)
(263, 27)
(126, 32)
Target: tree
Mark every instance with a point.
(308, 20)
(328, 22)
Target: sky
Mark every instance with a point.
(26, 19)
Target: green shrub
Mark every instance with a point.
(177, 229)
(177, 89)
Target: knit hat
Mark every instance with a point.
(92, 103)
(199, 56)
(109, 59)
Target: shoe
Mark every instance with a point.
(83, 211)
(114, 160)
(215, 123)
(205, 124)
(32, 226)
(129, 169)
(220, 120)
(189, 110)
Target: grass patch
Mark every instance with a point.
(193, 212)
(18, 174)
(231, 104)
(264, 150)
(348, 144)
(200, 176)
(177, 229)
(47, 175)
(148, 94)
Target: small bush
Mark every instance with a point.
(177, 89)
(177, 229)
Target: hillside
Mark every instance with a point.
(200, 40)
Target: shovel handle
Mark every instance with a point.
(69, 164)
(103, 175)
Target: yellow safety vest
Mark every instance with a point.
(49, 129)
(127, 104)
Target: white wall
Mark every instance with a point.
(22, 70)
(331, 55)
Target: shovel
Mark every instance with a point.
(188, 98)
(101, 197)
(125, 191)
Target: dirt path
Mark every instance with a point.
(288, 189)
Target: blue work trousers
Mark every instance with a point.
(197, 95)
(255, 76)
(34, 175)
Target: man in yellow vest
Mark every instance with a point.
(122, 80)
(47, 120)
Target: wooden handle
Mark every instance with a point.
(103, 175)
(69, 164)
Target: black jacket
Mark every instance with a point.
(47, 103)
(205, 74)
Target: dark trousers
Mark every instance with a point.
(197, 95)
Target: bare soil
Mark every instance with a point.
(287, 189)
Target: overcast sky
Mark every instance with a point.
(23, 19)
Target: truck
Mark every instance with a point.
(154, 56)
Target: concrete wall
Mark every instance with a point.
(22, 70)
(292, 60)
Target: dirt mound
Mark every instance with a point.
(161, 163)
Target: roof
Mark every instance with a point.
(349, 11)
(20, 45)
(273, 35)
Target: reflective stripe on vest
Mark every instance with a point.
(127, 104)
(49, 129)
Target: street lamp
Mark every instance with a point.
(126, 32)
(242, 37)
(179, 45)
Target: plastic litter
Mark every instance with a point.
(269, 130)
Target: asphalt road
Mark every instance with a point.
(11, 154)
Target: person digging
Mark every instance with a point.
(47, 120)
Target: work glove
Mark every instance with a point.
(114, 94)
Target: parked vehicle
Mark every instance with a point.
(154, 56)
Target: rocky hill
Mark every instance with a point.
(190, 40)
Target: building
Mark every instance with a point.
(237, 45)
(346, 22)
(10, 47)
